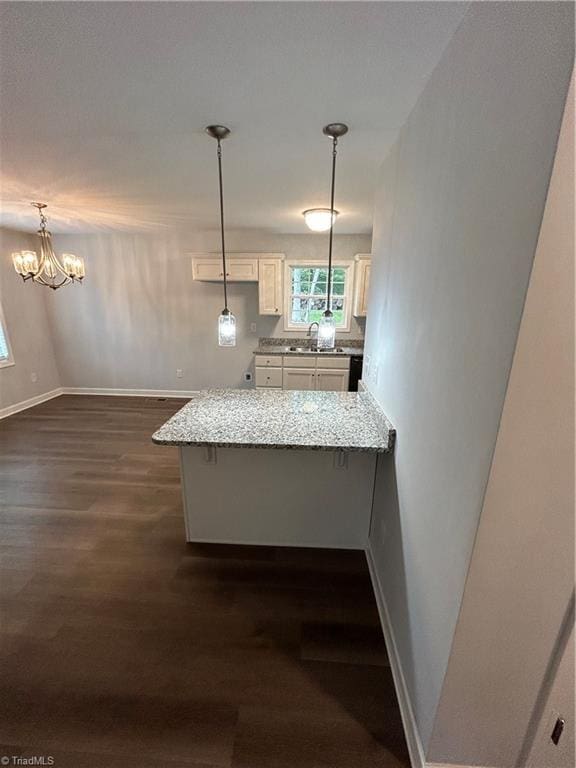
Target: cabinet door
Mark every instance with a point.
(207, 269)
(298, 378)
(242, 270)
(268, 377)
(332, 380)
(237, 270)
(270, 286)
(363, 267)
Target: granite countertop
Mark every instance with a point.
(276, 349)
(248, 418)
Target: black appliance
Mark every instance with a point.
(355, 372)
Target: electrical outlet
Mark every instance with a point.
(34, 377)
(179, 373)
(252, 327)
(247, 376)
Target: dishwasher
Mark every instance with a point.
(355, 372)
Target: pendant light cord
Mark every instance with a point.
(334, 145)
(219, 151)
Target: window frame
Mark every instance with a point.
(10, 359)
(348, 266)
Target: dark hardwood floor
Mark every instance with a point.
(121, 645)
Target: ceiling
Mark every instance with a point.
(104, 106)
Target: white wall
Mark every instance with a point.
(27, 324)
(139, 315)
(517, 609)
(456, 225)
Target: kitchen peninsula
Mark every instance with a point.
(278, 467)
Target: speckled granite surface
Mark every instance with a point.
(321, 421)
(285, 351)
(277, 346)
(272, 341)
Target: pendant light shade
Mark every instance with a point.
(227, 329)
(327, 331)
(226, 321)
(327, 324)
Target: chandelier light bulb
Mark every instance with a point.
(319, 219)
(25, 263)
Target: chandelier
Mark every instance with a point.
(48, 270)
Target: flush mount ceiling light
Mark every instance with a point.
(48, 270)
(327, 326)
(226, 321)
(319, 219)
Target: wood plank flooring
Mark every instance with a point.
(122, 645)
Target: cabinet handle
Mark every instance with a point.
(276, 309)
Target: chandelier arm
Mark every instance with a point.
(50, 255)
(42, 281)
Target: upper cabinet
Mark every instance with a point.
(262, 268)
(270, 294)
(240, 267)
(362, 283)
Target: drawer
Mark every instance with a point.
(268, 377)
(324, 361)
(300, 361)
(265, 361)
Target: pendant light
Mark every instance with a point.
(226, 321)
(327, 326)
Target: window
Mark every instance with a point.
(306, 294)
(5, 350)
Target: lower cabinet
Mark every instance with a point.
(330, 380)
(298, 378)
(269, 377)
(310, 372)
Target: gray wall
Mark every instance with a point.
(139, 315)
(456, 225)
(27, 323)
(518, 608)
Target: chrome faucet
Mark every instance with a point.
(309, 334)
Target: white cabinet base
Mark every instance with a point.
(277, 497)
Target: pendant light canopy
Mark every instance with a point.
(226, 321)
(327, 325)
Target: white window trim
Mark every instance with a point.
(10, 360)
(348, 286)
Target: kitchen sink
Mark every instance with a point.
(313, 350)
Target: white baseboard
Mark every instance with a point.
(415, 748)
(30, 403)
(453, 765)
(128, 392)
